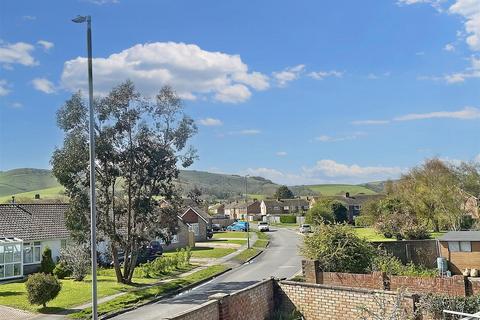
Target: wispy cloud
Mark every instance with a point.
(4, 90)
(246, 132)
(210, 122)
(29, 18)
(320, 75)
(327, 138)
(44, 85)
(46, 45)
(288, 74)
(281, 153)
(450, 47)
(466, 113)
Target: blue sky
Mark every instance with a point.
(297, 91)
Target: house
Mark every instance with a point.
(295, 206)
(217, 209)
(271, 207)
(183, 238)
(197, 220)
(353, 203)
(25, 231)
(243, 209)
(461, 249)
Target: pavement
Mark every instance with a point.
(281, 259)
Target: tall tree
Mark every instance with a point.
(283, 192)
(139, 142)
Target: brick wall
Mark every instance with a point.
(455, 286)
(206, 311)
(318, 302)
(369, 281)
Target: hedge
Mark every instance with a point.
(288, 218)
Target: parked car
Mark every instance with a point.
(209, 233)
(147, 253)
(238, 226)
(263, 226)
(305, 228)
(216, 227)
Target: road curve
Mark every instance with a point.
(280, 259)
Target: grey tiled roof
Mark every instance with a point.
(36, 221)
(461, 236)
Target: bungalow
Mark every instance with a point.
(461, 249)
(271, 207)
(25, 231)
(197, 220)
(294, 206)
(353, 203)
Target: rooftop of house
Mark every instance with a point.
(33, 221)
(357, 199)
(461, 236)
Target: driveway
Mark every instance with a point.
(280, 259)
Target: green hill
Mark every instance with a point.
(336, 189)
(24, 180)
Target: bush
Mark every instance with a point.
(339, 249)
(47, 265)
(414, 231)
(434, 304)
(42, 288)
(61, 270)
(166, 264)
(362, 221)
(327, 211)
(391, 265)
(77, 260)
(288, 218)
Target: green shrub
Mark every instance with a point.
(42, 288)
(47, 265)
(288, 218)
(61, 270)
(414, 231)
(363, 221)
(391, 265)
(166, 264)
(434, 304)
(339, 249)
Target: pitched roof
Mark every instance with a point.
(272, 203)
(189, 204)
(298, 202)
(34, 221)
(461, 236)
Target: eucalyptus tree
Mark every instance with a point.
(140, 142)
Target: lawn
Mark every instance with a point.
(371, 234)
(230, 241)
(246, 254)
(207, 252)
(147, 294)
(230, 234)
(73, 293)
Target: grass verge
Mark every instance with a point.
(207, 252)
(246, 255)
(145, 295)
(230, 234)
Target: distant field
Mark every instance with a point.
(336, 189)
(45, 194)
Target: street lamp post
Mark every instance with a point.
(246, 210)
(93, 214)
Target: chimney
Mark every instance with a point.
(347, 195)
(37, 196)
(13, 199)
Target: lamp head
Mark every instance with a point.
(79, 19)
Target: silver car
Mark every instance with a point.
(305, 228)
(263, 226)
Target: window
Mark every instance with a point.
(276, 208)
(195, 228)
(285, 208)
(459, 246)
(31, 252)
(11, 258)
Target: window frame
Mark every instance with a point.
(36, 247)
(459, 246)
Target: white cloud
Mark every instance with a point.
(332, 169)
(47, 45)
(470, 11)
(29, 18)
(327, 138)
(19, 53)
(4, 90)
(192, 71)
(434, 3)
(16, 105)
(372, 76)
(44, 85)
(449, 47)
(472, 72)
(245, 132)
(420, 53)
(102, 2)
(477, 158)
(210, 122)
(281, 153)
(288, 74)
(370, 122)
(328, 171)
(466, 113)
(320, 75)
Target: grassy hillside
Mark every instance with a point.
(335, 189)
(23, 180)
(54, 193)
